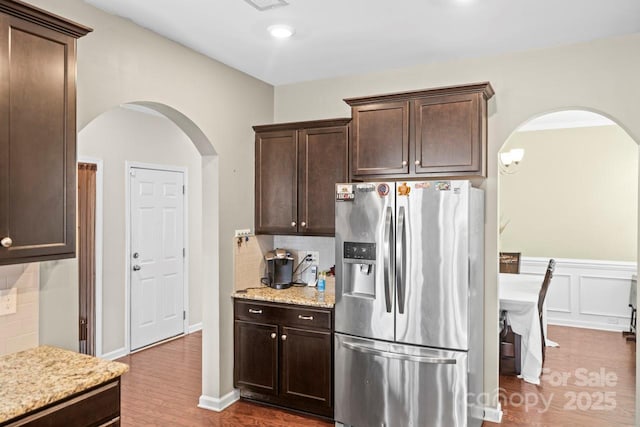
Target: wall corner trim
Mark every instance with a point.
(493, 414)
(219, 404)
(195, 328)
(116, 354)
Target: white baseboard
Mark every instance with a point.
(588, 325)
(195, 328)
(493, 414)
(218, 404)
(115, 354)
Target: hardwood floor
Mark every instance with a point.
(163, 386)
(162, 389)
(589, 381)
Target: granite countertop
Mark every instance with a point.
(300, 295)
(34, 378)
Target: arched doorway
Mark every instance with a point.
(155, 133)
(574, 197)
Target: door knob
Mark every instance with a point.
(304, 224)
(283, 337)
(273, 335)
(136, 267)
(136, 255)
(6, 242)
(417, 162)
(404, 163)
(293, 223)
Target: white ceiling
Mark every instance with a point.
(344, 37)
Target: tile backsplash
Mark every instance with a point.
(19, 331)
(324, 245)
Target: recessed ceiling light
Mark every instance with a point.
(281, 31)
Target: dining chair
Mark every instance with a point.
(510, 348)
(510, 262)
(541, 297)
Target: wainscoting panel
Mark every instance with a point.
(586, 293)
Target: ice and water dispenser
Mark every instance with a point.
(358, 269)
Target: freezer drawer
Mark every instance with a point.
(384, 384)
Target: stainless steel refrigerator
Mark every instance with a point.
(409, 304)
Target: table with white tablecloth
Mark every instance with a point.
(518, 295)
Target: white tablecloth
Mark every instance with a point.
(518, 295)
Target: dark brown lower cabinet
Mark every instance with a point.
(99, 406)
(284, 355)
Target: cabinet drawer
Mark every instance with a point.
(307, 318)
(257, 312)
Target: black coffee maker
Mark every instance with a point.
(279, 266)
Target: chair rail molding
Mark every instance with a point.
(586, 293)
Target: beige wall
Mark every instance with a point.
(119, 63)
(600, 75)
(575, 195)
(121, 135)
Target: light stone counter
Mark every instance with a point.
(34, 378)
(301, 295)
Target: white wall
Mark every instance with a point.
(600, 75)
(575, 195)
(121, 63)
(19, 330)
(121, 135)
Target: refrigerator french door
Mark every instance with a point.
(408, 303)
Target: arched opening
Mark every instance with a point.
(155, 133)
(573, 197)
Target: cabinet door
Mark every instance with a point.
(323, 161)
(256, 357)
(276, 182)
(37, 142)
(447, 135)
(306, 368)
(380, 143)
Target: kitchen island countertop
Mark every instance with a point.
(34, 378)
(299, 295)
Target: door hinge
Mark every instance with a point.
(184, 315)
(184, 252)
(183, 189)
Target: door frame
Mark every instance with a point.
(98, 245)
(129, 165)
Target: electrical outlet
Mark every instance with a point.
(315, 257)
(8, 301)
(243, 232)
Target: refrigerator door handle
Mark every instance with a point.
(399, 356)
(401, 248)
(387, 260)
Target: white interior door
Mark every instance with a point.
(157, 255)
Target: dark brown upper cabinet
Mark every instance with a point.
(438, 132)
(297, 167)
(37, 134)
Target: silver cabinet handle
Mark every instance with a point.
(417, 162)
(304, 224)
(136, 268)
(399, 356)
(6, 242)
(387, 256)
(283, 337)
(293, 223)
(301, 317)
(273, 335)
(401, 247)
(252, 311)
(404, 163)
